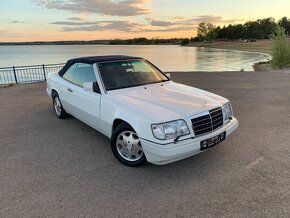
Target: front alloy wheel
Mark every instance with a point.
(126, 146)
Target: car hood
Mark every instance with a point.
(169, 100)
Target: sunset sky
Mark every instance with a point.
(49, 20)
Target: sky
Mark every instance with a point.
(61, 20)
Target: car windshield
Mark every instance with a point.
(124, 74)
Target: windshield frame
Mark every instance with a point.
(130, 86)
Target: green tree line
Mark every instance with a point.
(145, 41)
(259, 29)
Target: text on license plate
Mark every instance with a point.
(205, 144)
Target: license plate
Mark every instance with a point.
(208, 143)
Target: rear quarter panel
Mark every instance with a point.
(58, 84)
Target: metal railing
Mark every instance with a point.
(27, 74)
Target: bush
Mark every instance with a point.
(280, 48)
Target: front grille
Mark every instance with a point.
(208, 123)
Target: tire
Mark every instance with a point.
(57, 106)
(126, 146)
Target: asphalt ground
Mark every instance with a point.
(63, 168)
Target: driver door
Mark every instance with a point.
(85, 105)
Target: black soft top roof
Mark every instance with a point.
(95, 59)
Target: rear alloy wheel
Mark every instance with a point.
(126, 146)
(58, 109)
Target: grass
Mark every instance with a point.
(258, 46)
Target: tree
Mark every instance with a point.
(259, 29)
(280, 48)
(184, 42)
(222, 33)
(206, 31)
(212, 34)
(285, 23)
(266, 27)
(250, 28)
(202, 31)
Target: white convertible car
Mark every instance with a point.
(147, 116)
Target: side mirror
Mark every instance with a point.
(168, 75)
(96, 88)
(88, 87)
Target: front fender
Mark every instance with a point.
(139, 124)
(112, 109)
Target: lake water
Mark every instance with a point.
(166, 57)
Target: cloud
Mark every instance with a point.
(2, 32)
(206, 18)
(122, 26)
(72, 23)
(209, 18)
(8, 36)
(105, 7)
(16, 21)
(179, 18)
(181, 21)
(170, 29)
(161, 23)
(153, 25)
(77, 19)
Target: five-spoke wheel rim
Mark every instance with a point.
(57, 106)
(129, 146)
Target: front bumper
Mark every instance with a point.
(163, 154)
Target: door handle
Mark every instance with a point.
(70, 90)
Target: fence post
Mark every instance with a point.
(15, 76)
(43, 68)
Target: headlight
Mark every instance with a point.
(170, 130)
(227, 111)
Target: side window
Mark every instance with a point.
(84, 73)
(70, 73)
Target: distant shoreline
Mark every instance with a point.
(260, 46)
(135, 41)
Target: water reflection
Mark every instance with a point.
(167, 58)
